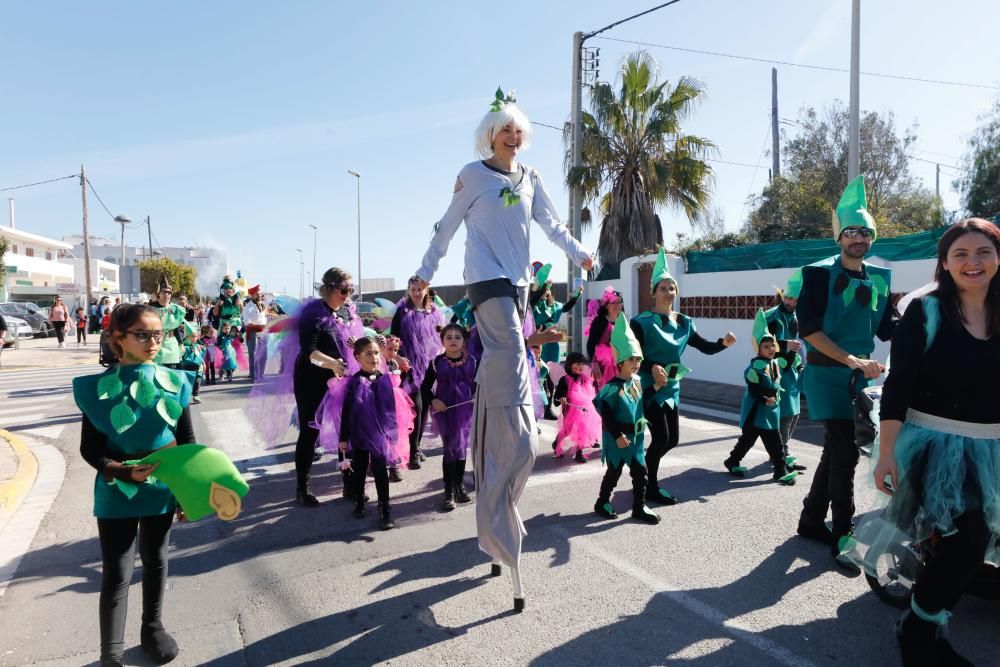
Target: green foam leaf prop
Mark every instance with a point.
(109, 386)
(676, 372)
(143, 391)
(169, 410)
(203, 479)
(122, 417)
(167, 379)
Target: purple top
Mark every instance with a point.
(418, 329)
(368, 417)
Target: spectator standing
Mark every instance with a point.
(59, 316)
(254, 321)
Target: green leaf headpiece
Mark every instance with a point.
(501, 100)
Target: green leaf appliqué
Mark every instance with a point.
(167, 379)
(169, 410)
(122, 417)
(143, 391)
(509, 198)
(109, 386)
(752, 376)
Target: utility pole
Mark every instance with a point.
(775, 145)
(86, 234)
(149, 234)
(854, 137)
(312, 281)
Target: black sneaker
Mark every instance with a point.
(360, 511)
(815, 530)
(734, 469)
(786, 478)
(449, 501)
(306, 499)
(605, 509)
(580, 458)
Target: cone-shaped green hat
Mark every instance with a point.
(760, 331)
(624, 344)
(794, 286)
(660, 271)
(852, 211)
(543, 275)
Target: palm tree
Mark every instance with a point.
(637, 158)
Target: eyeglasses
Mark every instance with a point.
(855, 232)
(346, 290)
(144, 336)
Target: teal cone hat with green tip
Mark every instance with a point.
(542, 276)
(760, 331)
(660, 271)
(852, 210)
(624, 344)
(793, 287)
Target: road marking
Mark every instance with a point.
(50, 432)
(16, 409)
(30, 400)
(22, 419)
(678, 595)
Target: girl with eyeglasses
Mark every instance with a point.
(129, 411)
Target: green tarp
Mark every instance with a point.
(792, 254)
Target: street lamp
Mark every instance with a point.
(313, 280)
(358, 176)
(302, 268)
(123, 220)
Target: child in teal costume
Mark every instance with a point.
(759, 413)
(128, 411)
(620, 404)
(225, 343)
(227, 309)
(547, 311)
(782, 322)
(172, 316)
(193, 357)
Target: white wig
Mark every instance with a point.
(494, 121)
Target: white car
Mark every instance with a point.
(16, 328)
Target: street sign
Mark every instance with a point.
(11, 269)
(68, 288)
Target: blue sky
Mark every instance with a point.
(233, 124)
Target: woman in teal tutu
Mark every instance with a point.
(939, 455)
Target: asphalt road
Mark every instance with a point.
(721, 581)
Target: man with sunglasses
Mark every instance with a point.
(844, 303)
(172, 317)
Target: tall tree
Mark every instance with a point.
(980, 186)
(800, 204)
(636, 158)
(181, 277)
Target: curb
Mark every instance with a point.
(14, 490)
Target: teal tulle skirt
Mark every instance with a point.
(945, 469)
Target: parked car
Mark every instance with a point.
(16, 328)
(366, 310)
(38, 321)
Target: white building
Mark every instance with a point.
(210, 264)
(36, 267)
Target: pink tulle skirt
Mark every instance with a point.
(242, 362)
(405, 419)
(604, 365)
(579, 424)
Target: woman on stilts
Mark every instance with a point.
(497, 198)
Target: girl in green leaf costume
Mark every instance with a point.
(129, 411)
(760, 414)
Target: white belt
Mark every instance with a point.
(953, 426)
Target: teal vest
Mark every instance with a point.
(850, 321)
(664, 341)
(136, 408)
(172, 317)
(766, 376)
(784, 326)
(626, 403)
(546, 316)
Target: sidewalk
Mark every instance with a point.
(44, 353)
(18, 469)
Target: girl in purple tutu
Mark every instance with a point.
(369, 427)
(579, 422)
(417, 322)
(448, 388)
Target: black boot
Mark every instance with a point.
(917, 639)
(415, 457)
(302, 493)
(447, 476)
(815, 530)
(394, 474)
(639, 509)
(360, 511)
(458, 479)
(385, 521)
(347, 475)
(157, 643)
(734, 468)
(603, 505)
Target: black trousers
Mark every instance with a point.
(833, 483)
(60, 328)
(772, 443)
(663, 437)
(81, 335)
(361, 460)
(614, 473)
(787, 427)
(209, 373)
(419, 420)
(117, 538)
(953, 565)
(309, 391)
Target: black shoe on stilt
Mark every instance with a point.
(157, 643)
(385, 521)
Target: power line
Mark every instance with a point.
(91, 186)
(949, 166)
(790, 64)
(553, 127)
(29, 185)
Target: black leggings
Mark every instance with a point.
(309, 392)
(663, 437)
(60, 328)
(81, 335)
(117, 539)
(772, 443)
(419, 420)
(955, 562)
(360, 461)
(614, 473)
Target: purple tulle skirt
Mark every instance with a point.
(420, 336)
(455, 388)
(379, 422)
